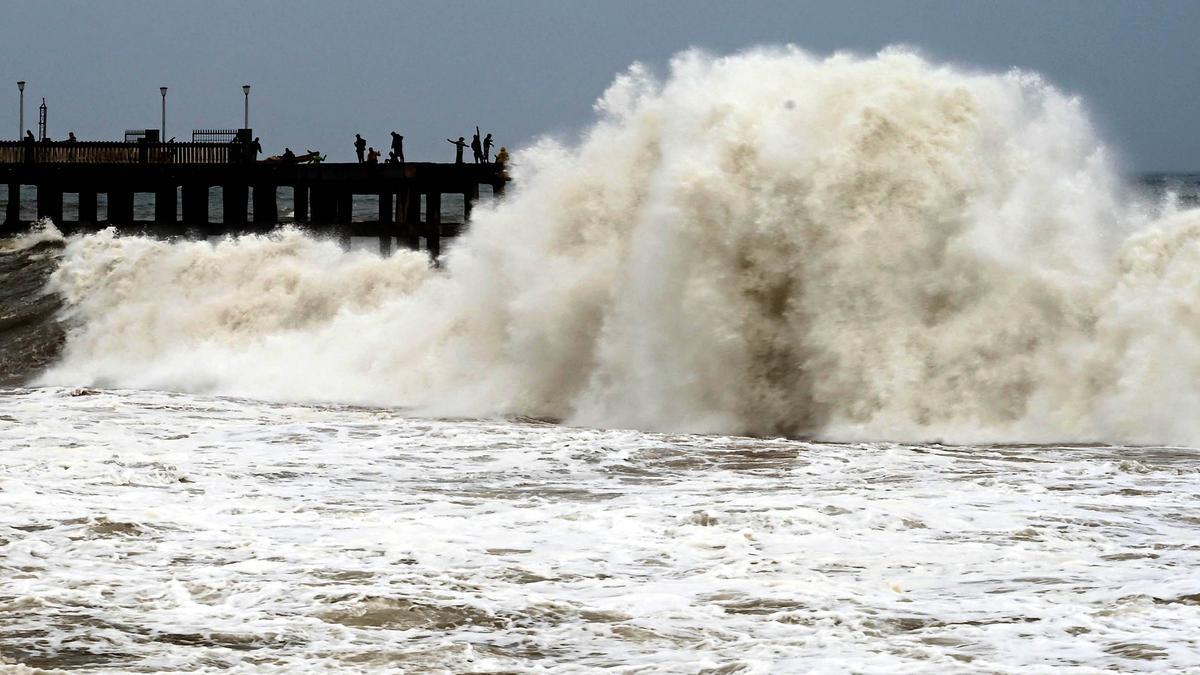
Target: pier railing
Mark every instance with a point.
(116, 152)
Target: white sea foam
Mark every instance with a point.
(768, 242)
(155, 532)
(43, 232)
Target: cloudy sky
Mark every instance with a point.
(321, 71)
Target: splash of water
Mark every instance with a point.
(767, 243)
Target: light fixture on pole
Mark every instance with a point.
(21, 122)
(246, 121)
(162, 127)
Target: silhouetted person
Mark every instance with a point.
(256, 147)
(29, 135)
(288, 155)
(487, 147)
(397, 148)
(360, 146)
(502, 159)
(476, 147)
(458, 149)
(372, 156)
(71, 137)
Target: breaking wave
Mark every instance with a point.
(763, 243)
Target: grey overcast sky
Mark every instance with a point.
(322, 71)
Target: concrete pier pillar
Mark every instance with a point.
(385, 207)
(345, 207)
(266, 208)
(12, 213)
(469, 199)
(324, 206)
(386, 227)
(120, 207)
(195, 205)
(234, 198)
(300, 204)
(87, 207)
(433, 224)
(408, 218)
(50, 202)
(166, 205)
(315, 205)
(498, 189)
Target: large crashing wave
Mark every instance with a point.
(764, 243)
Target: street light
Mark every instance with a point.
(21, 88)
(246, 91)
(162, 128)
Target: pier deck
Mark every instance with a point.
(180, 175)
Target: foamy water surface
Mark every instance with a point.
(146, 531)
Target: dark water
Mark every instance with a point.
(30, 333)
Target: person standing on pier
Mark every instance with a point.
(360, 147)
(458, 148)
(397, 148)
(487, 148)
(502, 160)
(256, 147)
(476, 148)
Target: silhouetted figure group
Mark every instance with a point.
(369, 155)
(481, 150)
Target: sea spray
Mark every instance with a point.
(763, 243)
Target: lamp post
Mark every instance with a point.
(21, 119)
(246, 121)
(162, 127)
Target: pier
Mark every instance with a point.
(181, 176)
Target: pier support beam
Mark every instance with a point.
(120, 207)
(386, 227)
(50, 202)
(324, 206)
(385, 207)
(195, 205)
(433, 224)
(266, 208)
(166, 206)
(233, 198)
(469, 199)
(12, 213)
(300, 203)
(408, 216)
(87, 207)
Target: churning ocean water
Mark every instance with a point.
(786, 365)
